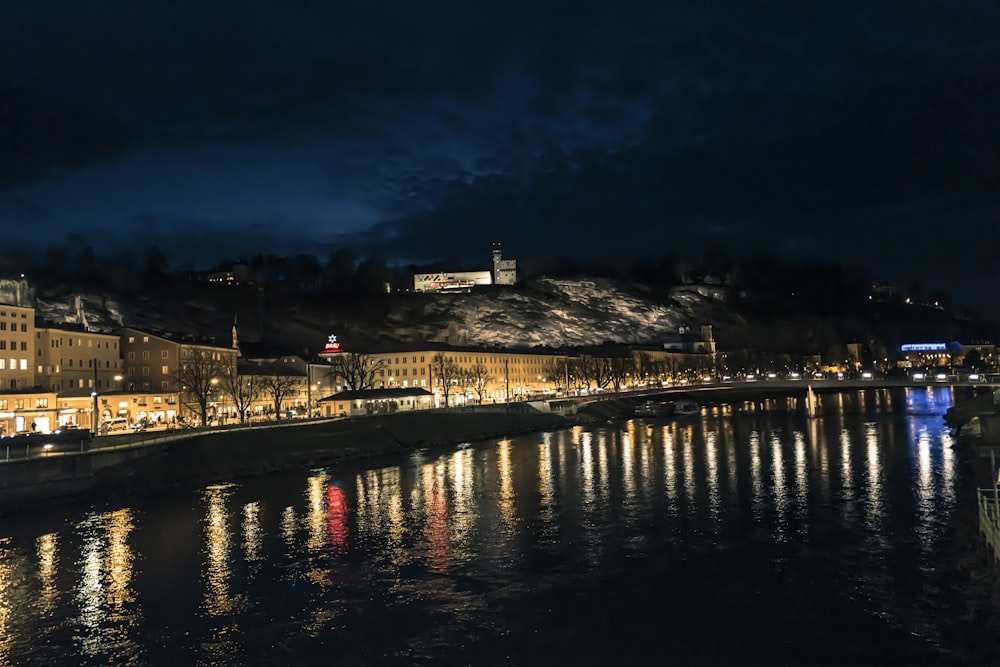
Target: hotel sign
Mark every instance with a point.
(332, 345)
(923, 347)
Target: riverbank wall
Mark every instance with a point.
(230, 455)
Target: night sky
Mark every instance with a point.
(855, 131)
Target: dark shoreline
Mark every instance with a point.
(970, 578)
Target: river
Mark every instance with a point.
(751, 537)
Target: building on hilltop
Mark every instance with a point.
(504, 272)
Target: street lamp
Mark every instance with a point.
(310, 388)
(215, 385)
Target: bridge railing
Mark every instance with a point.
(989, 518)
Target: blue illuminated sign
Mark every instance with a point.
(924, 347)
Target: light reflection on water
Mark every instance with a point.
(465, 550)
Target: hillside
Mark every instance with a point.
(544, 311)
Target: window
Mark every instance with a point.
(145, 386)
(145, 370)
(164, 355)
(131, 339)
(145, 355)
(131, 370)
(40, 369)
(24, 364)
(165, 385)
(3, 345)
(3, 326)
(131, 355)
(41, 402)
(71, 363)
(145, 339)
(3, 403)
(3, 364)
(19, 404)
(165, 370)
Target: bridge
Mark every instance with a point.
(749, 390)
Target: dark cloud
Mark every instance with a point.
(430, 129)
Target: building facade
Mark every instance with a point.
(17, 348)
(28, 412)
(154, 363)
(66, 359)
(471, 375)
(375, 401)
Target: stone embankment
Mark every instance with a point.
(229, 455)
(970, 569)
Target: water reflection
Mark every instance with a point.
(251, 533)
(107, 616)
(422, 554)
(6, 575)
(801, 483)
(756, 481)
(48, 561)
(506, 497)
(218, 601)
(669, 470)
(780, 493)
(712, 472)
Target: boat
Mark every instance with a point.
(686, 408)
(653, 409)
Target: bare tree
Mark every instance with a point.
(198, 368)
(245, 390)
(278, 387)
(646, 368)
(595, 370)
(620, 367)
(478, 378)
(447, 371)
(556, 371)
(358, 371)
(577, 373)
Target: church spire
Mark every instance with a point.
(236, 339)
